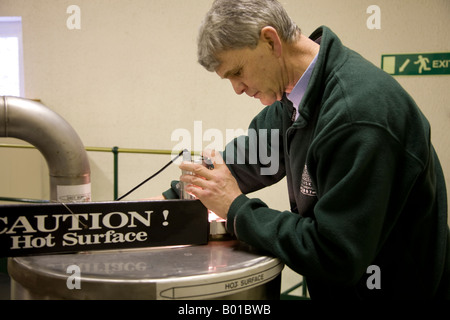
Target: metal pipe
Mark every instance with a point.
(57, 141)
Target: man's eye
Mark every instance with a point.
(237, 73)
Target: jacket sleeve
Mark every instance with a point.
(174, 191)
(357, 173)
(257, 159)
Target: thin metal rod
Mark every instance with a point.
(106, 149)
(151, 177)
(23, 200)
(115, 152)
(16, 146)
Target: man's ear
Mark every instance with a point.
(270, 36)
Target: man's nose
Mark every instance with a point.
(238, 86)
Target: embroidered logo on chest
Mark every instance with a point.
(306, 186)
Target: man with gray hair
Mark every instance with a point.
(366, 190)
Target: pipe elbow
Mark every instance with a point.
(53, 136)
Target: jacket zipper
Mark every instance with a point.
(294, 114)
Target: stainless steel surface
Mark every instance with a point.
(57, 141)
(221, 269)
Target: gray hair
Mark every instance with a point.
(237, 24)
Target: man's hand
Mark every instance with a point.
(215, 188)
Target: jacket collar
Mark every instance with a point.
(332, 54)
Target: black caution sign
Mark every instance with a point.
(56, 228)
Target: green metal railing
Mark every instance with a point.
(114, 150)
(286, 295)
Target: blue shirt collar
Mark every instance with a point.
(299, 90)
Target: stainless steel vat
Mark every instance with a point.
(219, 270)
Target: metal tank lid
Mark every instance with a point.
(207, 271)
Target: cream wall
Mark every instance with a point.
(129, 78)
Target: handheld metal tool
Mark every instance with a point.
(183, 193)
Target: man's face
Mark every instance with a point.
(257, 72)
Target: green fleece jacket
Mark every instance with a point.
(365, 185)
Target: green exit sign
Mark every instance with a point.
(416, 64)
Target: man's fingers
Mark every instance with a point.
(195, 190)
(196, 169)
(194, 180)
(213, 157)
